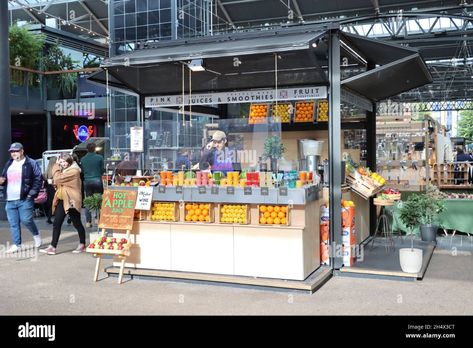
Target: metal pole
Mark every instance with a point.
(49, 130)
(5, 115)
(334, 129)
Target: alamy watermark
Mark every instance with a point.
(82, 109)
(28, 330)
(24, 252)
(248, 157)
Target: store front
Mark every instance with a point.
(269, 89)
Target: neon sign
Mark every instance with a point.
(82, 133)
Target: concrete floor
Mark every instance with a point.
(62, 285)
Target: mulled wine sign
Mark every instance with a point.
(118, 209)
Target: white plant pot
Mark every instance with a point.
(411, 260)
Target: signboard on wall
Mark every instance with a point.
(118, 209)
(252, 96)
(136, 139)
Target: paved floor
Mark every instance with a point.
(62, 284)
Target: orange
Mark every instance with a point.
(194, 218)
(277, 221)
(188, 218)
(188, 206)
(269, 220)
(274, 214)
(267, 214)
(277, 209)
(205, 212)
(262, 208)
(191, 212)
(270, 208)
(198, 212)
(283, 209)
(201, 218)
(281, 215)
(283, 221)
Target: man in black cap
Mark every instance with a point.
(22, 180)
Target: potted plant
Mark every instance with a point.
(273, 149)
(411, 258)
(93, 203)
(431, 204)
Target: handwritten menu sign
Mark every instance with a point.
(118, 209)
(145, 195)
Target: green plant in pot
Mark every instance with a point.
(411, 258)
(94, 203)
(273, 149)
(431, 204)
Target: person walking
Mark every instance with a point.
(67, 200)
(50, 190)
(22, 180)
(92, 167)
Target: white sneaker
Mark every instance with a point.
(13, 249)
(37, 241)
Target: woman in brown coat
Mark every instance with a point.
(67, 200)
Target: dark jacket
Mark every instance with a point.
(31, 178)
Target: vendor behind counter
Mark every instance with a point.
(217, 156)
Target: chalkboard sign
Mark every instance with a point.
(118, 209)
(264, 191)
(202, 189)
(247, 191)
(230, 190)
(214, 190)
(283, 191)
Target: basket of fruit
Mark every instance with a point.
(392, 194)
(282, 112)
(274, 215)
(234, 214)
(199, 212)
(109, 245)
(305, 111)
(383, 200)
(164, 211)
(258, 113)
(322, 111)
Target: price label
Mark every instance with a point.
(247, 191)
(264, 191)
(230, 190)
(179, 189)
(202, 189)
(162, 189)
(214, 190)
(283, 191)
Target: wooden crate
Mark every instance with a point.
(322, 110)
(193, 212)
(282, 113)
(141, 215)
(382, 202)
(393, 197)
(364, 186)
(221, 217)
(258, 113)
(156, 205)
(302, 114)
(261, 214)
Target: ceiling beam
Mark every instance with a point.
(225, 13)
(298, 10)
(94, 17)
(26, 8)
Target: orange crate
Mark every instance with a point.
(305, 111)
(234, 214)
(268, 213)
(322, 110)
(164, 211)
(258, 113)
(199, 212)
(282, 112)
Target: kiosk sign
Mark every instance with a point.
(118, 209)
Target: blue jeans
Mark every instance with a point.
(20, 211)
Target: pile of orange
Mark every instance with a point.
(233, 213)
(322, 111)
(258, 113)
(304, 112)
(163, 211)
(197, 212)
(272, 215)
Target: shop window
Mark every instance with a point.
(154, 5)
(119, 21)
(130, 34)
(130, 20)
(142, 19)
(142, 33)
(142, 5)
(118, 7)
(153, 17)
(119, 35)
(130, 6)
(165, 3)
(165, 15)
